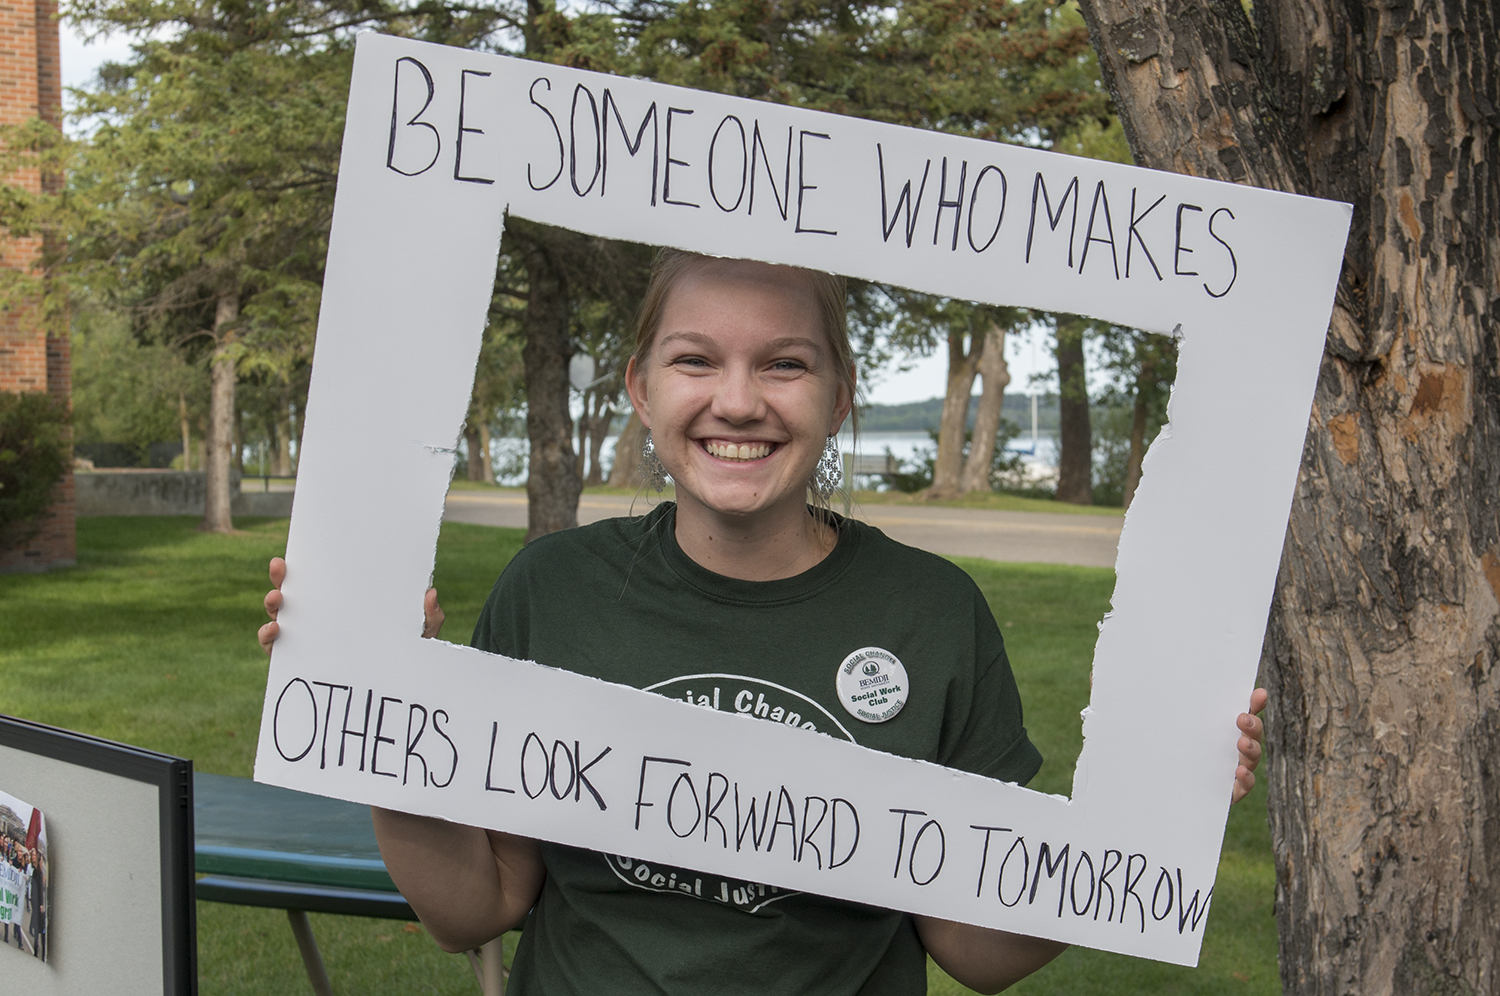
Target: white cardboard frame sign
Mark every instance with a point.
(441, 143)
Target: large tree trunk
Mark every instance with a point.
(1381, 653)
(963, 367)
(219, 446)
(1075, 438)
(995, 373)
(626, 470)
(553, 482)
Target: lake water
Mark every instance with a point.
(511, 453)
(904, 446)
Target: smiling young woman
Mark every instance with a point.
(739, 596)
(742, 373)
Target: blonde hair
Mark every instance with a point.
(829, 290)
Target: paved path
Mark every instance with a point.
(1035, 537)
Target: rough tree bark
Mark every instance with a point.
(1075, 437)
(995, 374)
(1381, 653)
(553, 482)
(963, 367)
(219, 446)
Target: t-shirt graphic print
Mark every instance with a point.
(751, 822)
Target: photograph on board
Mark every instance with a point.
(24, 876)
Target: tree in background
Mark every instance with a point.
(564, 274)
(562, 268)
(128, 392)
(1044, 92)
(994, 374)
(1153, 361)
(975, 338)
(202, 199)
(279, 370)
(1384, 637)
(498, 397)
(1075, 458)
(499, 393)
(992, 70)
(602, 330)
(199, 204)
(1093, 138)
(1132, 409)
(210, 175)
(241, 103)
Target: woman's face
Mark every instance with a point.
(739, 388)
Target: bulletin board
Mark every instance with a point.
(120, 824)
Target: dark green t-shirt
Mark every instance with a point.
(619, 600)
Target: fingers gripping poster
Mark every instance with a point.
(719, 803)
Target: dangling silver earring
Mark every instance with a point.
(651, 466)
(830, 473)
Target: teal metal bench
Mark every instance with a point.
(257, 845)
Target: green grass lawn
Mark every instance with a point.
(994, 500)
(150, 640)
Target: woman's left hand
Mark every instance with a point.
(1252, 736)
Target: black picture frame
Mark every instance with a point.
(173, 780)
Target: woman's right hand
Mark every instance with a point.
(432, 612)
(271, 630)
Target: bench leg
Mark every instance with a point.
(489, 967)
(308, 945)
(492, 965)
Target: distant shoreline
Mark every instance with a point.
(925, 416)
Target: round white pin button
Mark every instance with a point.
(872, 684)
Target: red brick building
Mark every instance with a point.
(34, 357)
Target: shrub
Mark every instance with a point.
(33, 458)
(1007, 469)
(1111, 425)
(915, 473)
